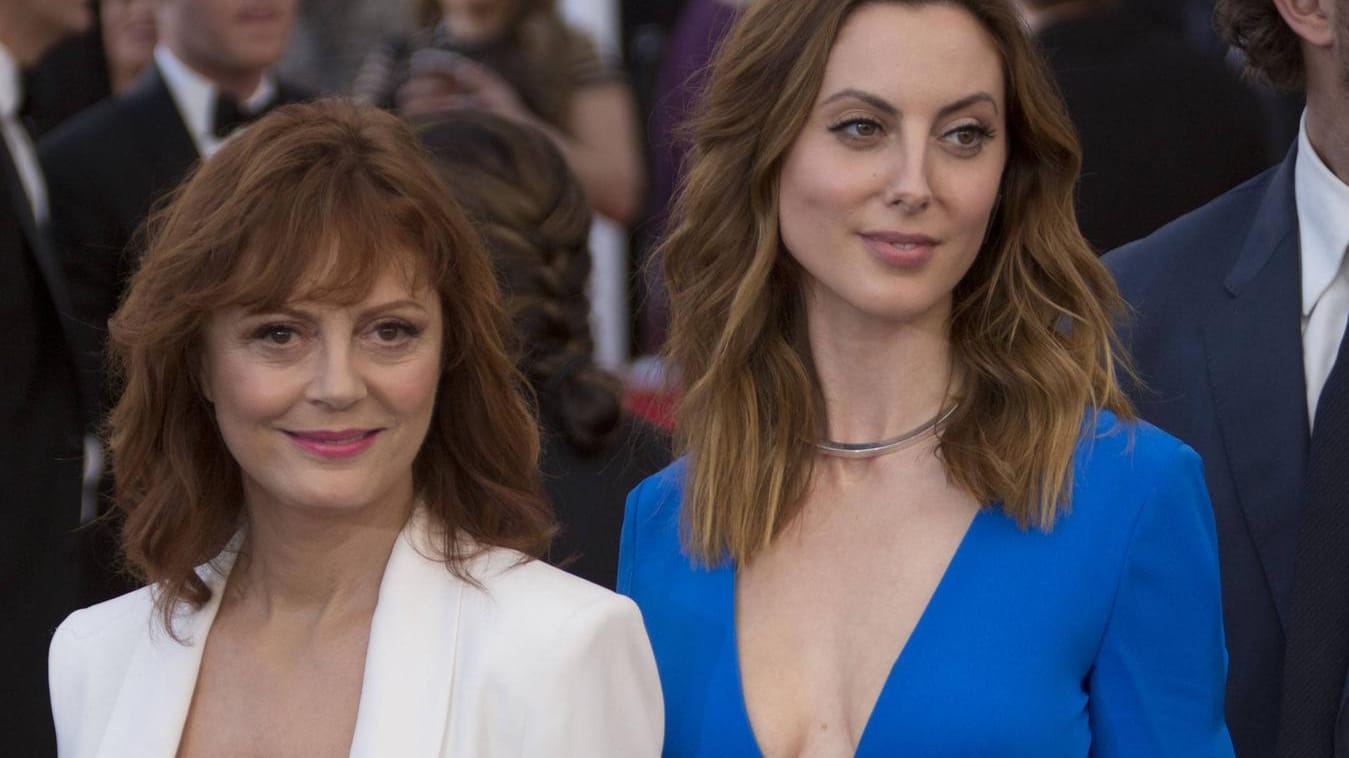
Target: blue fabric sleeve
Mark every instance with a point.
(1156, 688)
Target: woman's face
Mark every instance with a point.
(326, 406)
(128, 32)
(886, 194)
(477, 20)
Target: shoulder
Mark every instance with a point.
(537, 601)
(1128, 472)
(88, 661)
(85, 135)
(102, 624)
(660, 494)
(1206, 238)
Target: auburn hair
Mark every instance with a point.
(313, 201)
(534, 217)
(1033, 345)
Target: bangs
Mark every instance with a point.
(328, 239)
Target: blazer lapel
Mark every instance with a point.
(1254, 348)
(151, 709)
(410, 660)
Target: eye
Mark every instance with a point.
(276, 334)
(968, 138)
(394, 332)
(857, 128)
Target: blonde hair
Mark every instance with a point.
(1033, 345)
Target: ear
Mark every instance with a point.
(1312, 20)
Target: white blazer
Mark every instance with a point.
(536, 662)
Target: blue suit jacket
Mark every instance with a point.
(1217, 341)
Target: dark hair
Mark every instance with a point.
(535, 219)
(344, 192)
(1273, 50)
(547, 48)
(1031, 332)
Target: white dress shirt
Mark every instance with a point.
(1323, 230)
(195, 96)
(16, 137)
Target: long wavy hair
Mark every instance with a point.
(343, 192)
(534, 217)
(1033, 346)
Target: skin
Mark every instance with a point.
(128, 39)
(29, 27)
(600, 141)
(477, 20)
(286, 653)
(231, 42)
(906, 136)
(1323, 27)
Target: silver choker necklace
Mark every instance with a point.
(858, 450)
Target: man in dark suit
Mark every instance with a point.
(107, 167)
(1241, 310)
(40, 410)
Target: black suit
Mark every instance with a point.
(106, 168)
(1218, 343)
(40, 467)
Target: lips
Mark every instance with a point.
(341, 443)
(900, 250)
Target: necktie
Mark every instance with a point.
(1317, 657)
(229, 115)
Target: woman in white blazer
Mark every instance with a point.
(329, 480)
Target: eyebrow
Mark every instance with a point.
(884, 106)
(365, 313)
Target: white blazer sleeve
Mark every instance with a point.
(597, 690)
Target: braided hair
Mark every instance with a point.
(535, 219)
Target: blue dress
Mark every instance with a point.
(1101, 637)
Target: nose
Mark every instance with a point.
(908, 186)
(337, 380)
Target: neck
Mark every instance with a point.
(880, 380)
(122, 77)
(1328, 123)
(300, 561)
(23, 36)
(239, 84)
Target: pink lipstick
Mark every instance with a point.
(342, 443)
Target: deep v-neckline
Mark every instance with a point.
(935, 608)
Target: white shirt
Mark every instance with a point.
(1323, 230)
(195, 96)
(16, 137)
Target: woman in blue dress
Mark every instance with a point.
(915, 515)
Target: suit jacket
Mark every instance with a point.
(1218, 345)
(533, 662)
(40, 464)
